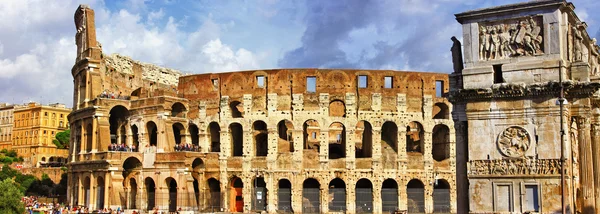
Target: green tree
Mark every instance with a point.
(10, 198)
(61, 140)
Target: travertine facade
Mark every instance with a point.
(6, 125)
(518, 61)
(288, 140)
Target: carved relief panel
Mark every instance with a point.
(511, 38)
(513, 142)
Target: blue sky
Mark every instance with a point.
(37, 48)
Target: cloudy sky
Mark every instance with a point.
(37, 47)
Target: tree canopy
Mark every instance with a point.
(61, 139)
(10, 198)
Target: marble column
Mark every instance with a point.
(586, 165)
(595, 156)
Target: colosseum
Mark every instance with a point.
(276, 141)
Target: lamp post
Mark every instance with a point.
(561, 101)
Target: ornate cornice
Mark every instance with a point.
(515, 90)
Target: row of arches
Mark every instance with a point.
(336, 137)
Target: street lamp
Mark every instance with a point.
(561, 101)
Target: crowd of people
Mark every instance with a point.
(113, 95)
(114, 147)
(187, 148)
(32, 205)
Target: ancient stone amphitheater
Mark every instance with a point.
(283, 140)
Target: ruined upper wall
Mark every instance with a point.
(525, 43)
(149, 72)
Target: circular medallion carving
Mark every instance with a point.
(513, 142)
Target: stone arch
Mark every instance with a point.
(311, 132)
(178, 110)
(337, 195)
(150, 193)
(214, 201)
(441, 142)
(198, 164)
(440, 111)
(284, 195)
(237, 139)
(89, 133)
(260, 136)
(178, 133)
(130, 165)
(194, 134)
(311, 196)
(337, 140)
(136, 140)
(236, 195)
(152, 131)
(364, 147)
(236, 108)
(337, 108)
(135, 94)
(86, 191)
(214, 136)
(389, 195)
(119, 116)
(441, 196)
(100, 192)
(260, 188)
(171, 184)
(132, 194)
(285, 141)
(364, 196)
(415, 137)
(415, 191)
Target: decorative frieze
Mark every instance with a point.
(511, 38)
(524, 166)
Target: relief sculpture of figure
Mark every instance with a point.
(483, 43)
(577, 38)
(513, 142)
(456, 55)
(495, 44)
(535, 36)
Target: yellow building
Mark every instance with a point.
(6, 125)
(34, 128)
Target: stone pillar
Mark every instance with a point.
(272, 140)
(350, 196)
(462, 182)
(596, 156)
(324, 150)
(248, 192)
(586, 165)
(402, 157)
(107, 181)
(324, 192)
(271, 193)
(298, 146)
(83, 148)
(296, 193)
(428, 196)
(376, 152)
(350, 148)
(224, 188)
(225, 144)
(402, 194)
(377, 205)
(92, 200)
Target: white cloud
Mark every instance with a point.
(222, 58)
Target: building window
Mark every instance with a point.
(439, 88)
(503, 200)
(215, 83)
(46, 114)
(311, 84)
(260, 81)
(532, 202)
(362, 81)
(314, 135)
(61, 115)
(388, 82)
(60, 124)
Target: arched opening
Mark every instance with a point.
(100, 193)
(44, 159)
(88, 137)
(130, 165)
(441, 142)
(198, 165)
(389, 195)
(337, 108)
(260, 135)
(311, 132)
(194, 134)
(285, 141)
(237, 198)
(172, 184)
(117, 119)
(441, 196)
(415, 196)
(364, 196)
(337, 141)
(196, 191)
(123, 135)
(414, 137)
(86, 191)
(178, 110)
(135, 94)
(364, 148)
(178, 134)
(389, 135)
(259, 198)
(311, 197)
(284, 196)
(132, 194)
(152, 133)
(237, 139)
(214, 131)
(51, 159)
(150, 193)
(136, 140)
(237, 109)
(440, 111)
(337, 195)
(214, 196)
